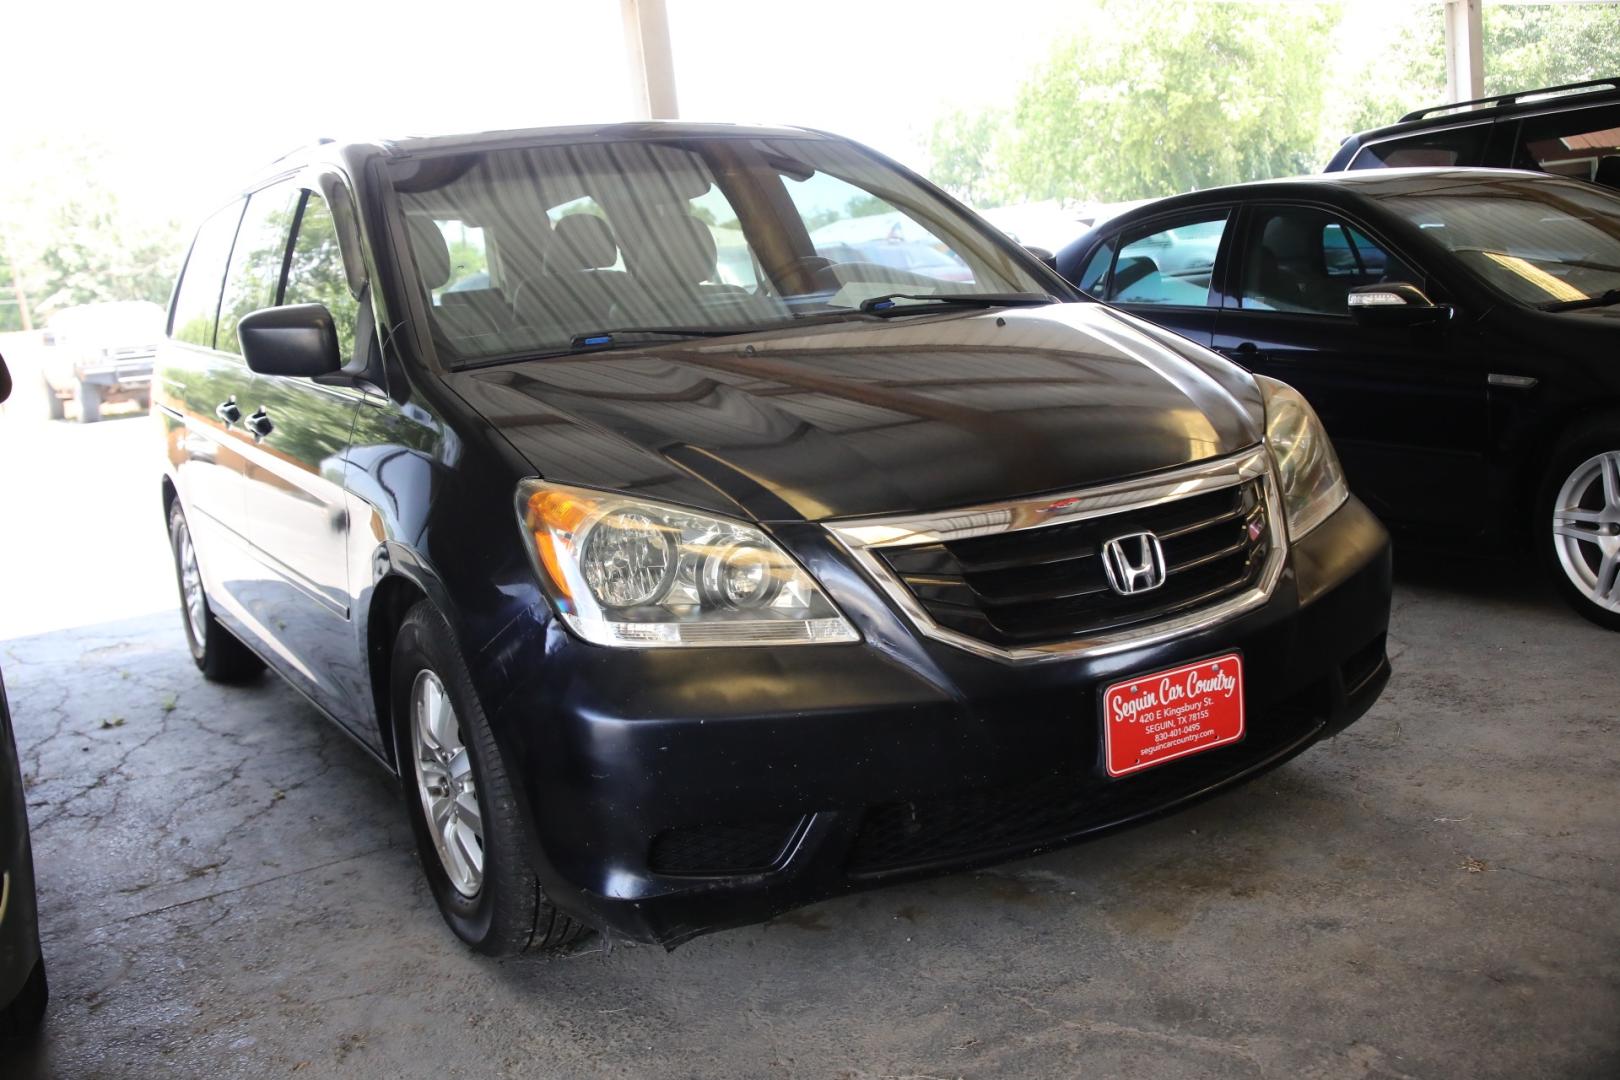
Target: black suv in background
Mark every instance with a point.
(1571, 130)
(1458, 331)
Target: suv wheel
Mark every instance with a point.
(89, 402)
(20, 1020)
(1579, 523)
(217, 652)
(54, 409)
(469, 829)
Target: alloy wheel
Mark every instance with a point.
(1586, 529)
(444, 780)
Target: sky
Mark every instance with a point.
(182, 99)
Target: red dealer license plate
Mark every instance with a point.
(1151, 719)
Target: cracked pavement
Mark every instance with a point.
(228, 887)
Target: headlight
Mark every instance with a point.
(639, 574)
(1312, 483)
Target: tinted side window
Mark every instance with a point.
(1457, 146)
(256, 259)
(315, 270)
(1092, 278)
(196, 302)
(1583, 143)
(1169, 265)
(1304, 260)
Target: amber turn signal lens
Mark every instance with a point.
(552, 512)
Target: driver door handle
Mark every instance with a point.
(1248, 352)
(259, 423)
(229, 412)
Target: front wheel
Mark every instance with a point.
(1580, 524)
(469, 828)
(20, 1020)
(89, 402)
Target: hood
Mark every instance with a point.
(919, 413)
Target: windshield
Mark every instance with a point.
(1543, 243)
(533, 250)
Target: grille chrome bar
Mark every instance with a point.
(870, 540)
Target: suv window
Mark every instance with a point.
(1454, 146)
(315, 270)
(1168, 265)
(1305, 260)
(196, 301)
(257, 259)
(1583, 143)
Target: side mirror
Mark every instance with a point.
(1397, 303)
(298, 340)
(1043, 255)
(5, 380)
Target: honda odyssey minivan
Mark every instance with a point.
(678, 601)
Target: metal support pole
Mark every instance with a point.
(652, 63)
(1465, 50)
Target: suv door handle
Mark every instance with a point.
(229, 412)
(1249, 351)
(259, 423)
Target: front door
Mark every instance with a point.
(296, 510)
(1406, 409)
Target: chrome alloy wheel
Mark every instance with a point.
(1586, 529)
(191, 588)
(444, 779)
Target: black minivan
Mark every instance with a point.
(687, 567)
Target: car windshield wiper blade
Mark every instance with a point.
(601, 339)
(888, 303)
(1607, 299)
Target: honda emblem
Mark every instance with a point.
(1134, 563)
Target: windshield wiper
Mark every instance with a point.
(887, 304)
(1607, 299)
(602, 339)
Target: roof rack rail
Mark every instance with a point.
(1513, 99)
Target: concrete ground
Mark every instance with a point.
(228, 887)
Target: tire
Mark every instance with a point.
(89, 402)
(498, 907)
(54, 407)
(1580, 496)
(20, 1020)
(216, 651)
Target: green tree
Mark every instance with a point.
(1156, 97)
(964, 147)
(1531, 46)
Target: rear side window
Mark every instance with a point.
(1306, 261)
(315, 270)
(1455, 146)
(1172, 266)
(256, 259)
(196, 301)
(1583, 143)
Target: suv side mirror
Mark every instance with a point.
(298, 340)
(1397, 303)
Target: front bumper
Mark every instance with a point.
(118, 376)
(675, 792)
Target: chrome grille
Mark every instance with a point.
(1025, 580)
